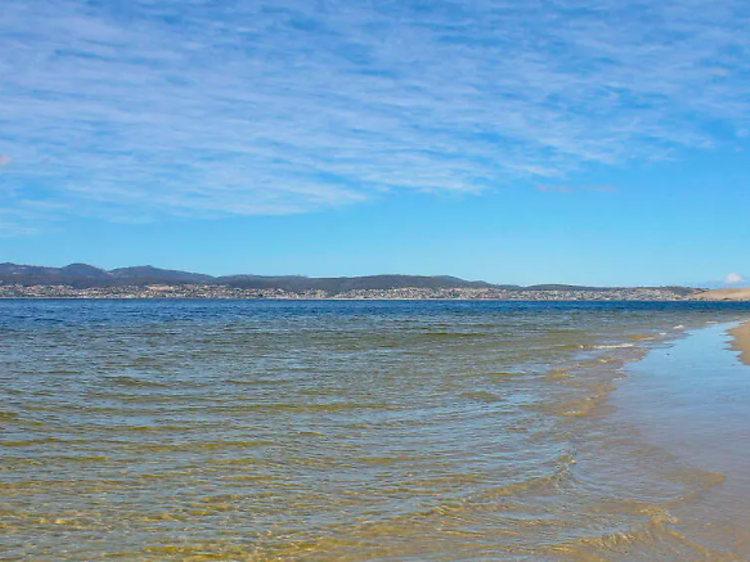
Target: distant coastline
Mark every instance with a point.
(16, 291)
(83, 281)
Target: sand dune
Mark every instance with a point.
(739, 294)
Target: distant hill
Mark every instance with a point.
(336, 285)
(736, 294)
(147, 274)
(85, 271)
(38, 275)
(80, 275)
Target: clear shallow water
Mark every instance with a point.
(693, 400)
(184, 430)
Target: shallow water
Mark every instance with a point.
(693, 400)
(188, 430)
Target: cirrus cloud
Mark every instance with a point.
(190, 108)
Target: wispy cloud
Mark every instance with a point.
(574, 188)
(29, 217)
(141, 109)
(734, 279)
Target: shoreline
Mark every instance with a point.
(362, 299)
(741, 341)
(680, 400)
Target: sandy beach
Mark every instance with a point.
(741, 341)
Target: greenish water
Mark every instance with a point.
(270, 431)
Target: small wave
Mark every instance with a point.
(558, 471)
(8, 416)
(558, 373)
(609, 346)
(506, 374)
(448, 335)
(482, 396)
(201, 446)
(41, 441)
(640, 337)
(656, 536)
(283, 407)
(124, 380)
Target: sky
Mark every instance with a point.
(592, 142)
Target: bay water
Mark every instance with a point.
(353, 431)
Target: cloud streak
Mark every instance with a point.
(575, 188)
(156, 108)
(734, 279)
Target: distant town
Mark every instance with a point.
(402, 293)
(82, 281)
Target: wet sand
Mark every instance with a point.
(741, 341)
(691, 399)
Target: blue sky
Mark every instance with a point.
(538, 141)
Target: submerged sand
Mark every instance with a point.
(741, 342)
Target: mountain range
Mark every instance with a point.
(81, 275)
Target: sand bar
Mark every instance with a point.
(736, 294)
(741, 341)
